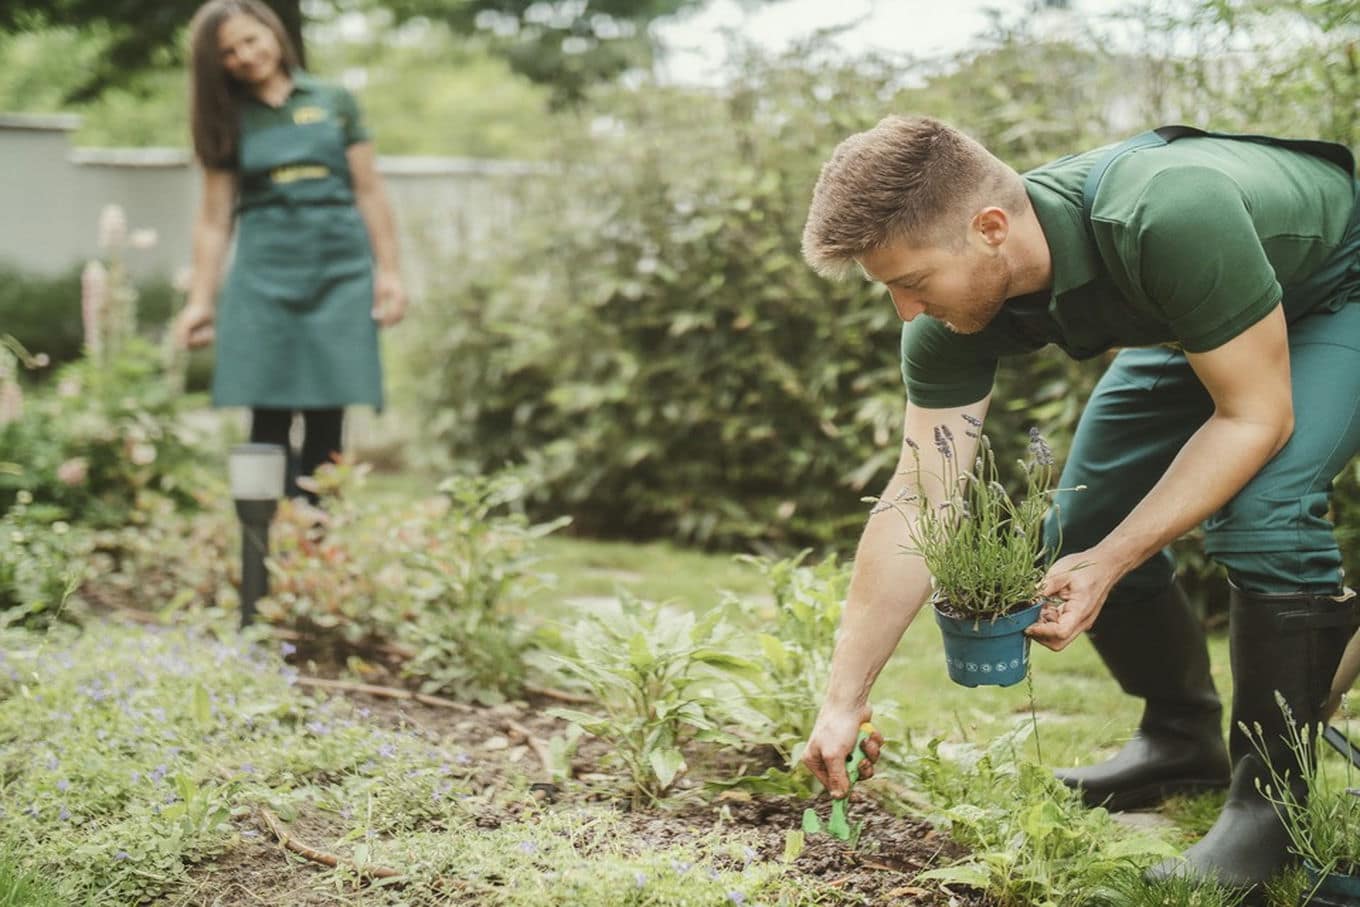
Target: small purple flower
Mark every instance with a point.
(122, 855)
(158, 773)
(1038, 447)
(747, 854)
(736, 897)
(640, 879)
(910, 443)
(287, 649)
(52, 762)
(136, 776)
(528, 847)
(972, 420)
(347, 813)
(65, 814)
(387, 750)
(681, 866)
(63, 785)
(944, 442)
(318, 728)
(463, 759)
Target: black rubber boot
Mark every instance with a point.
(1286, 646)
(1157, 651)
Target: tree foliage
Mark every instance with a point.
(140, 35)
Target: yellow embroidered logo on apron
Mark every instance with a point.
(304, 115)
(295, 172)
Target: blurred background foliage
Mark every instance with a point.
(646, 338)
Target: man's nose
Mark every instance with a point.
(907, 305)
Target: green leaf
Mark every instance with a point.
(969, 874)
(794, 841)
(666, 764)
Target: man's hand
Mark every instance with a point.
(1076, 587)
(389, 298)
(832, 742)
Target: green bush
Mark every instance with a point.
(43, 312)
(662, 353)
(432, 578)
(99, 439)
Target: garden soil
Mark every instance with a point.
(882, 868)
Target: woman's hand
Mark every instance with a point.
(194, 326)
(1076, 587)
(389, 298)
(831, 743)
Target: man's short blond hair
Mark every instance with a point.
(908, 178)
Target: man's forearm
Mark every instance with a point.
(1214, 465)
(887, 589)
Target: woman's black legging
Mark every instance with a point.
(321, 436)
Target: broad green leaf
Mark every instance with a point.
(666, 764)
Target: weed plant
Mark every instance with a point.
(1321, 809)
(662, 677)
(1032, 842)
(435, 577)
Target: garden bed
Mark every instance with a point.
(891, 851)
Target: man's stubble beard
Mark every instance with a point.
(989, 286)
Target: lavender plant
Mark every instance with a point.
(983, 546)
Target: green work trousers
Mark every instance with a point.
(1274, 536)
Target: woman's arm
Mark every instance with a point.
(212, 231)
(389, 296)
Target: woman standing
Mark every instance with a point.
(287, 162)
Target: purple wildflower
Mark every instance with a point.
(641, 879)
(1038, 447)
(943, 442)
(736, 897)
(681, 866)
(65, 814)
(122, 855)
(463, 759)
(63, 785)
(910, 443)
(387, 750)
(528, 847)
(287, 649)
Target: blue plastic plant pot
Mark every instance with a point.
(1334, 888)
(986, 652)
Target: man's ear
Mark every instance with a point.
(992, 224)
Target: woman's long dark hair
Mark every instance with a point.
(214, 96)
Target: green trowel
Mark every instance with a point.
(838, 826)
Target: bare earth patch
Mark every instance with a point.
(256, 870)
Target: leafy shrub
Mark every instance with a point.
(433, 577)
(659, 674)
(662, 354)
(102, 438)
(42, 560)
(43, 312)
(1031, 842)
(793, 652)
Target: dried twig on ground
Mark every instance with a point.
(560, 695)
(346, 686)
(288, 842)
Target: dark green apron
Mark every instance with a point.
(294, 323)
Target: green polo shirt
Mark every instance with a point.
(287, 152)
(1192, 243)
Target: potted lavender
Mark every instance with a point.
(984, 550)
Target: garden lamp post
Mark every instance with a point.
(256, 473)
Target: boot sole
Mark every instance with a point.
(1148, 796)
